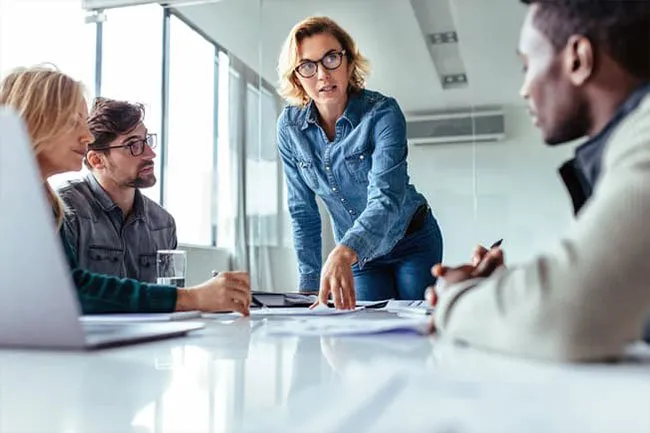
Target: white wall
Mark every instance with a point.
(479, 193)
(515, 193)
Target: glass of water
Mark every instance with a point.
(171, 266)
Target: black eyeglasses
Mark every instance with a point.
(136, 145)
(330, 61)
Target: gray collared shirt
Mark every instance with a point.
(104, 241)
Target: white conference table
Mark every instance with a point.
(232, 377)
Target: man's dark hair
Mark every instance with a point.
(619, 27)
(109, 119)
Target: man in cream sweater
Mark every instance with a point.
(587, 73)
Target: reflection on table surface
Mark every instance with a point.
(232, 377)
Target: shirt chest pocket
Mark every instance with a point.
(147, 261)
(308, 172)
(105, 260)
(359, 165)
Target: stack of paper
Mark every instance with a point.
(273, 299)
(306, 327)
(409, 307)
(295, 311)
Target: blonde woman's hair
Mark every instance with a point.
(289, 86)
(47, 100)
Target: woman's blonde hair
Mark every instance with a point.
(47, 100)
(289, 86)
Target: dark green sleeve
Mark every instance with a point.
(105, 294)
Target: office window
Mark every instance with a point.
(69, 43)
(191, 147)
(228, 167)
(262, 201)
(132, 65)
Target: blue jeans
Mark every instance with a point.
(405, 272)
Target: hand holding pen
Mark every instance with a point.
(480, 251)
(254, 301)
(484, 263)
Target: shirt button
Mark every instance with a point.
(343, 200)
(351, 211)
(361, 157)
(334, 189)
(327, 167)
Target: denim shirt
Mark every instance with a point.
(361, 176)
(107, 243)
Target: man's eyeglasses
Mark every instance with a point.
(136, 145)
(330, 61)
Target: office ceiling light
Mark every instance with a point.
(443, 38)
(436, 21)
(454, 80)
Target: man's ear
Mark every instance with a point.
(95, 159)
(579, 60)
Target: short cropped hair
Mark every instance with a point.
(109, 119)
(619, 27)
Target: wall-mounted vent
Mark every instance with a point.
(457, 127)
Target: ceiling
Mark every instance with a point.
(389, 33)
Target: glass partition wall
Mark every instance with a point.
(206, 73)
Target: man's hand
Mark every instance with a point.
(479, 253)
(484, 263)
(228, 291)
(337, 279)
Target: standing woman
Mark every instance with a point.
(347, 145)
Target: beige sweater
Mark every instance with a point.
(589, 295)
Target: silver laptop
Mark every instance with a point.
(39, 307)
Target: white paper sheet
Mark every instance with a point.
(421, 308)
(298, 311)
(222, 316)
(307, 327)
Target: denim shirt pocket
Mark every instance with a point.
(308, 172)
(105, 260)
(359, 164)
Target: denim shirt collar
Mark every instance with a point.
(352, 113)
(107, 203)
(581, 173)
(311, 115)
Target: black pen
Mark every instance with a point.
(496, 244)
(256, 302)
